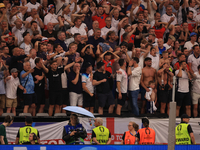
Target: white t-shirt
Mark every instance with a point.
(11, 87)
(194, 10)
(105, 30)
(87, 79)
(183, 83)
(114, 23)
(31, 6)
(196, 83)
(15, 17)
(134, 79)
(78, 30)
(152, 12)
(141, 61)
(123, 79)
(50, 18)
(29, 19)
(91, 32)
(195, 62)
(155, 61)
(189, 45)
(18, 33)
(32, 62)
(166, 18)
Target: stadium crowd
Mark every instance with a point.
(88, 49)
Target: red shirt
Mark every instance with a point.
(191, 25)
(108, 65)
(178, 66)
(132, 38)
(159, 32)
(101, 20)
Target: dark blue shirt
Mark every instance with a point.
(72, 87)
(62, 44)
(162, 50)
(94, 42)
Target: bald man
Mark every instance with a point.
(160, 46)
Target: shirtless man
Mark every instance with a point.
(165, 77)
(148, 74)
(165, 59)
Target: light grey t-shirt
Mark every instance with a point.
(87, 79)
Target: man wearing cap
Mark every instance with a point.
(189, 44)
(146, 135)
(51, 16)
(12, 83)
(88, 88)
(23, 133)
(103, 90)
(183, 132)
(3, 11)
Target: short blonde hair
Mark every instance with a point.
(99, 120)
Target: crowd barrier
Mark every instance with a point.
(96, 147)
(51, 132)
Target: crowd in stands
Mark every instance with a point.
(82, 50)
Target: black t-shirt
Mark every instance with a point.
(11, 47)
(74, 88)
(105, 86)
(54, 77)
(40, 85)
(137, 32)
(80, 47)
(94, 42)
(48, 35)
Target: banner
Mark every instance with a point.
(52, 133)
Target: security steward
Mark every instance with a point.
(24, 132)
(146, 135)
(129, 136)
(100, 134)
(183, 131)
(74, 133)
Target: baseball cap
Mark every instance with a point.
(184, 116)
(13, 70)
(50, 7)
(28, 119)
(99, 64)
(172, 37)
(192, 34)
(145, 120)
(2, 5)
(45, 39)
(88, 64)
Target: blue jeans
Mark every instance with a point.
(134, 98)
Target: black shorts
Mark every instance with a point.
(165, 96)
(30, 99)
(103, 97)
(88, 101)
(121, 101)
(65, 97)
(183, 98)
(143, 92)
(55, 98)
(40, 97)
